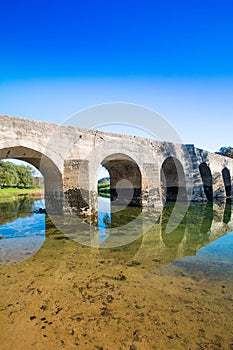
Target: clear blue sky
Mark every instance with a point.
(176, 57)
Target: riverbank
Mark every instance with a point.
(9, 193)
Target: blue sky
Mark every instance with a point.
(176, 57)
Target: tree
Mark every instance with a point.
(8, 175)
(226, 151)
(24, 176)
(12, 175)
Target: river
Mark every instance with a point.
(161, 289)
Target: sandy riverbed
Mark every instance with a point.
(73, 297)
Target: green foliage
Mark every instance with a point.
(24, 175)
(104, 195)
(104, 185)
(226, 151)
(12, 175)
(8, 175)
(104, 190)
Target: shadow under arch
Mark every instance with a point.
(125, 180)
(207, 180)
(52, 175)
(227, 181)
(173, 180)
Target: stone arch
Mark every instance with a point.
(173, 180)
(125, 179)
(50, 171)
(207, 180)
(227, 181)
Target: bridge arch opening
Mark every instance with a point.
(173, 180)
(19, 174)
(52, 176)
(227, 181)
(207, 180)
(121, 187)
(103, 182)
(125, 180)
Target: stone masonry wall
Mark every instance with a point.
(70, 157)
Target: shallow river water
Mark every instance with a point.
(170, 287)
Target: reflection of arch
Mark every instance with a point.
(207, 220)
(50, 171)
(227, 212)
(125, 179)
(124, 216)
(207, 180)
(173, 180)
(198, 225)
(173, 238)
(227, 181)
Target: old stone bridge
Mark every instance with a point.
(143, 172)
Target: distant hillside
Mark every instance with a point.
(104, 180)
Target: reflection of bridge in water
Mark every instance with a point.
(143, 175)
(11, 210)
(202, 224)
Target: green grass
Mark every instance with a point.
(13, 192)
